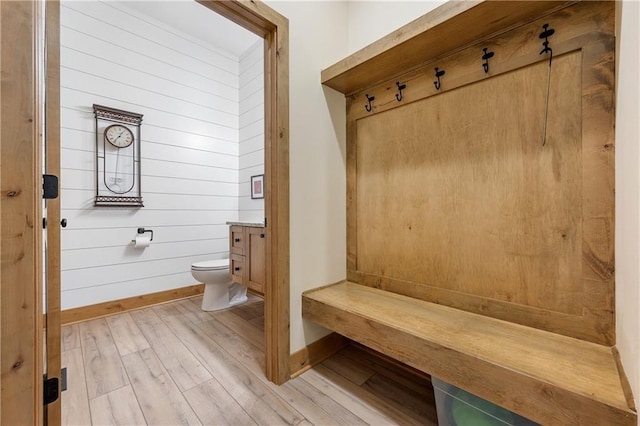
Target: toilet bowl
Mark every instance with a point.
(219, 291)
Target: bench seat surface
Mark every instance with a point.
(381, 319)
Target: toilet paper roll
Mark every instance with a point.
(142, 241)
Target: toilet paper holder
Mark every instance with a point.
(142, 231)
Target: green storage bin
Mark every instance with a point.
(456, 407)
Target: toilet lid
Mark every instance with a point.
(211, 265)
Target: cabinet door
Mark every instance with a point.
(256, 259)
(237, 239)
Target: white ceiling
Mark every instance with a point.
(196, 20)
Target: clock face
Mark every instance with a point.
(118, 135)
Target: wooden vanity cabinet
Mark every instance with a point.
(247, 256)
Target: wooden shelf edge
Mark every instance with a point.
(424, 23)
(520, 391)
(442, 30)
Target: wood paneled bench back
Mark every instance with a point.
(546, 377)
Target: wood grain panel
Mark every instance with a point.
(70, 337)
(126, 334)
(324, 410)
(102, 364)
(181, 365)
(260, 402)
(458, 191)
(529, 239)
(118, 407)
(21, 209)
(160, 400)
(75, 402)
(213, 405)
(252, 334)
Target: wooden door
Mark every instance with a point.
(21, 326)
(22, 121)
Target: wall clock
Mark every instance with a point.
(117, 157)
(119, 135)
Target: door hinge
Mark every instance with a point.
(63, 379)
(265, 222)
(51, 390)
(49, 187)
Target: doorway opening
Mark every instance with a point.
(254, 16)
(272, 34)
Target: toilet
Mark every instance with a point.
(219, 291)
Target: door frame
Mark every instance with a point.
(260, 19)
(21, 324)
(53, 355)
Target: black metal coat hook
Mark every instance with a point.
(486, 57)
(370, 99)
(548, 32)
(401, 87)
(438, 75)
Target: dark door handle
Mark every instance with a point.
(237, 268)
(63, 223)
(237, 240)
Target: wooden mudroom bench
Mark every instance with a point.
(547, 377)
(480, 182)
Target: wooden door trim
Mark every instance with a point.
(265, 22)
(52, 166)
(21, 210)
(274, 28)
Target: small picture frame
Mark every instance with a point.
(257, 187)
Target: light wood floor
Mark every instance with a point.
(175, 364)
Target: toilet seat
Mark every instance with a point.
(211, 265)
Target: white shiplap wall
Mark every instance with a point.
(189, 95)
(251, 129)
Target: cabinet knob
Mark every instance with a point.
(261, 235)
(237, 268)
(237, 240)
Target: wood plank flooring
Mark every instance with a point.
(174, 364)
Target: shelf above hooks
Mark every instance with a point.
(454, 24)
